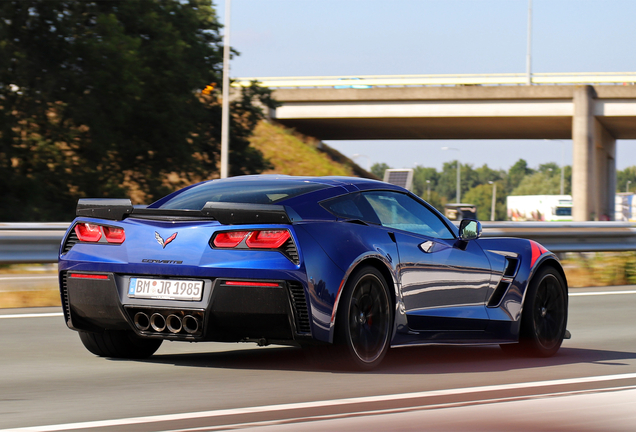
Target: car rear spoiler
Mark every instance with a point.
(225, 212)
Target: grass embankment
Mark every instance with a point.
(39, 290)
(295, 154)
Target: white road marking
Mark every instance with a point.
(601, 293)
(318, 404)
(33, 315)
(318, 418)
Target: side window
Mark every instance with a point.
(351, 206)
(400, 211)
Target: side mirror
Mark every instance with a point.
(469, 229)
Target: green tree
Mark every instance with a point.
(516, 173)
(623, 176)
(539, 183)
(377, 169)
(424, 179)
(104, 99)
(481, 196)
(447, 183)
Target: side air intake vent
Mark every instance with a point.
(290, 250)
(299, 304)
(508, 277)
(71, 240)
(66, 308)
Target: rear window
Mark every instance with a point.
(247, 192)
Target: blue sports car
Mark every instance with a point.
(343, 267)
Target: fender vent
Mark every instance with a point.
(299, 304)
(508, 277)
(71, 240)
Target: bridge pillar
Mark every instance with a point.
(593, 161)
(605, 167)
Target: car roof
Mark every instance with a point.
(358, 182)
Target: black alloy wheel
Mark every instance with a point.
(545, 313)
(365, 319)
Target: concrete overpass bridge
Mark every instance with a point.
(591, 109)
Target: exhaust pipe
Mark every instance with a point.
(142, 322)
(174, 323)
(190, 324)
(158, 322)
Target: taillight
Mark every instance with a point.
(229, 239)
(270, 239)
(87, 232)
(114, 235)
(256, 239)
(92, 233)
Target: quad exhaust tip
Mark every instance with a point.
(174, 323)
(158, 322)
(190, 324)
(142, 322)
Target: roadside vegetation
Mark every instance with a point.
(439, 187)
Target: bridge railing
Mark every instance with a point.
(40, 242)
(366, 81)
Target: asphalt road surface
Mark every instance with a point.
(49, 382)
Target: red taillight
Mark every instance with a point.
(92, 233)
(257, 239)
(114, 235)
(88, 232)
(269, 239)
(229, 239)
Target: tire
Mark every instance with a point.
(364, 322)
(119, 344)
(544, 317)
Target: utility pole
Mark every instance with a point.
(225, 105)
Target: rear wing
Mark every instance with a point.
(226, 213)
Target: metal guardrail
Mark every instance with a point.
(361, 81)
(22, 243)
(40, 242)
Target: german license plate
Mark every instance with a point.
(165, 289)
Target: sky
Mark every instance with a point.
(278, 38)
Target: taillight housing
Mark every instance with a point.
(229, 239)
(93, 233)
(88, 232)
(267, 239)
(254, 239)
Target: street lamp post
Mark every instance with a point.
(458, 173)
(494, 199)
(428, 190)
(225, 103)
(627, 185)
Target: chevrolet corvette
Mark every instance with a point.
(349, 267)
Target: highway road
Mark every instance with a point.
(49, 382)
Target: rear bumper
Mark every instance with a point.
(277, 312)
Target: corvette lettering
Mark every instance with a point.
(154, 261)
